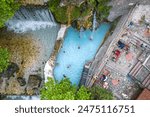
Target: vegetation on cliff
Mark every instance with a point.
(4, 59)
(82, 13)
(7, 10)
(65, 90)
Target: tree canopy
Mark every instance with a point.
(63, 90)
(4, 59)
(71, 11)
(98, 93)
(7, 10)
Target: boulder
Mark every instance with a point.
(21, 81)
(12, 68)
(34, 81)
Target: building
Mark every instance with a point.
(130, 73)
(141, 71)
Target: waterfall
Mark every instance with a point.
(30, 19)
(81, 30)
(94, 21)
(94, 25)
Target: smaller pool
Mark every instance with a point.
(77, 49)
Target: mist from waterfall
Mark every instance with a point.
(31, 19)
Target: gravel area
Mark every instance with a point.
(30, 52)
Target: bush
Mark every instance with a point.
(60, 15)
(79, 12)
(63, 90)
(98, 93)
(4, 59)
(7, 10)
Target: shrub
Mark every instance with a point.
(63, 90)
(7, 10)
(4, 59)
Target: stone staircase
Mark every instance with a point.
(84, 74)
(144, 79)
(136, 68)
(146, 82)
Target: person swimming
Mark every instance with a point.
(91, 38)
(68, 66)
(64, 75)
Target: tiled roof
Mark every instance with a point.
(145, 95)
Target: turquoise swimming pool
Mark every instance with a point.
(78, 48)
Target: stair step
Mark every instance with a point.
(134, 68)
(148, 83)
(146, 80)
(137, 69)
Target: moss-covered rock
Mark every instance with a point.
(81, 13)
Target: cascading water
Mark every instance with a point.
(81, 30)
(94, 25)
(30, 19)
(94, 21)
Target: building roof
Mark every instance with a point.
(145, 95)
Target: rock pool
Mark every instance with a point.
(77, 49)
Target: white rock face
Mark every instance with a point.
(142, 10)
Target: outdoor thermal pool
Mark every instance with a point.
(77, 49)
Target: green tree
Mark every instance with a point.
(4, 59)
(7, 10)
(83, 93)
(63, 90)
(98, 93)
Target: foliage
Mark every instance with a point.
(75, 14)
(7, 10)
(4, 59)
(63, 90)
(83, 93)
(98, 93)
(79, 12)
(101, 7)
(60, 15)
(92, 3)
(58, 12)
